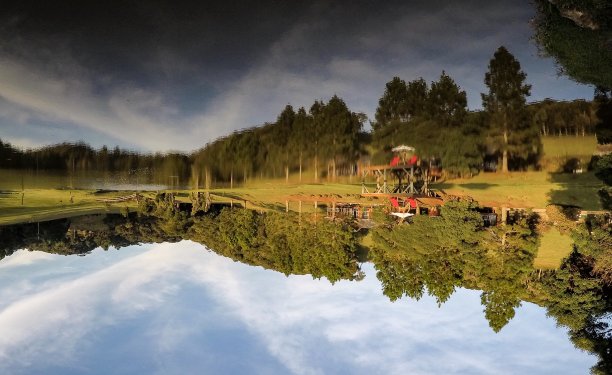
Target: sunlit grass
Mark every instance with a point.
(32, 205)
(554, 247)
(569, 146)
(529, 189)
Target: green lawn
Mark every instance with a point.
(554, 247)
(529, 189)
(558, 150)
(48, 204)
(569, 146)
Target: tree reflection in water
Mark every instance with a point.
(432, 255)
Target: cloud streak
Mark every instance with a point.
(179, 85)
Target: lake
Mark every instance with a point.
(180, 308)
(178, 296)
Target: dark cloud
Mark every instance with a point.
(104, 71)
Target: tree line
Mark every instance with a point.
(328, 139)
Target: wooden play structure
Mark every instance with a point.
(406, 174)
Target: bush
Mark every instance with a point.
(603, 169)
(571, 165)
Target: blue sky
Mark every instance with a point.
(154, 76)
(180, 309)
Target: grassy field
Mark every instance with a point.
(529, 189)
(554, 247)
(48, 204)
(517, 189)
(558, 150)
(569, 146)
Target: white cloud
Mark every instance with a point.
(310, 326)
(126, 113)
(24, 257)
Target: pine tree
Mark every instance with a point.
(511, 130)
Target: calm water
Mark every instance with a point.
(178, 308)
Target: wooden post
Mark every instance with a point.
(287, 206)
(300, 207)
(286, 174)
(411, 189)
(231, 179)
(384, 181)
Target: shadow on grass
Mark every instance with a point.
(469, 185)
(577, 190)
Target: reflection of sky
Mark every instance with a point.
(178, 309)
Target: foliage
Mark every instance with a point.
(511, 131)
(576, 117)
(603, 169)
(581, 46)
(328, 132)
(434, 255)
(433, 119)
(454, 250)
(603, 100)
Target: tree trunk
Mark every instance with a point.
(505, 154)
(300, 165)
(334, 169)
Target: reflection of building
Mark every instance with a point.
(359, 214)
(349, 211)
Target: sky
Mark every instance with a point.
(180, 309)
(163, 75)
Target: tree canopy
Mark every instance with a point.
(512, 134)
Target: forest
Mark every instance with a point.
(329, 140)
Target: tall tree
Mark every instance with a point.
(511, 129)
(446, 103)
(416, 100)
(392, 105)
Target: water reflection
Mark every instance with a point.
(176, 308)
(435, 260)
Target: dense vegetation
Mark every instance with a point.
(438, 255)
(435, 256)
(578, 35)
(284, 243)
